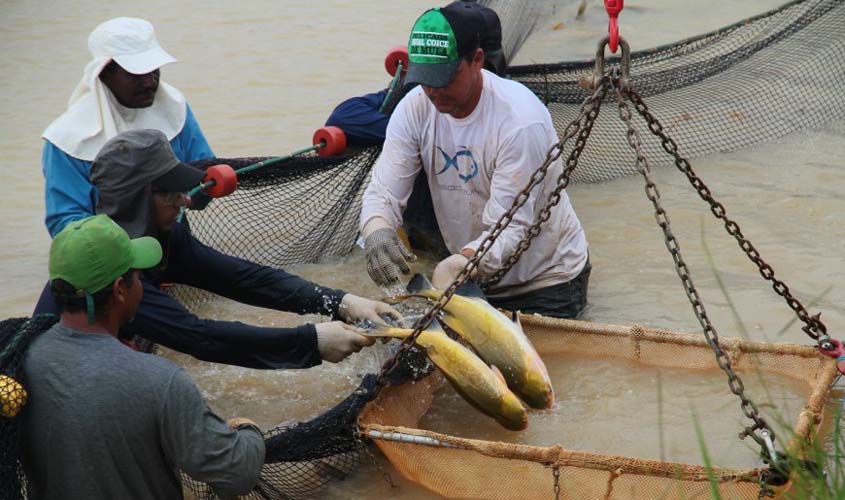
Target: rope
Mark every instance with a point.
(392, 88)
(250, 168)
(261, 164)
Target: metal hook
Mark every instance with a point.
(770, 445)
(598, 71)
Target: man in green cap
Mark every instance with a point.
(105, 421)
(478, 138)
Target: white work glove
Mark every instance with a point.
(448, 269)
(336, 340)
(387, 257)
(354, 308)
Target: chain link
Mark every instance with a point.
(582, 126)
(590, 103)
(765, 491)
(722, 359)
(813, 325)
(384, 474)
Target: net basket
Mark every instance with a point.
(744, 84)
(456, 467)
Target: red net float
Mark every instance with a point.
(394, 57)
(331, 141)
(225, 180)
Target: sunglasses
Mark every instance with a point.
(166, 199)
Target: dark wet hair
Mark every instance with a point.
(67, 299)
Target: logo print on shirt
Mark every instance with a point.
(452, 161)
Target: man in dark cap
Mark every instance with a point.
(365, 123)
(141, 186)
(478, 138)
(490, 37)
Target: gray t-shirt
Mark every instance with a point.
(104, 421)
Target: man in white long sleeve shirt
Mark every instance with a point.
(479, 138)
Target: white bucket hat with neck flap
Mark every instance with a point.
(93, 115)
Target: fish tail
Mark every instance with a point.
(419, 283)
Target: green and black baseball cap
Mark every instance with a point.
(91, 253)
(440, 38)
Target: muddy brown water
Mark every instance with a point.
(262, 76)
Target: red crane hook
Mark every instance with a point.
(613, 7)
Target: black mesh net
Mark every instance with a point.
(301, 459)
(15, 335)
(310, 203)
(745, 84)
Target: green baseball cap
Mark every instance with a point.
(439, 39)
(93, 252)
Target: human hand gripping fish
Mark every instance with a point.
(499, 341)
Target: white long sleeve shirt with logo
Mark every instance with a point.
(476, 166)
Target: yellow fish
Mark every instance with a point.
(497, 340)
(481, 386)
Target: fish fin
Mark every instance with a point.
(451, 332)
(471, 289)
(419, 283)
(388, 332)
(381, 331)
(499, 376)
(517, 320)
(435, 326)
(396, 299)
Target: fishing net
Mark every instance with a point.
(457, 467)
(286, 213)
(15, 335)
(300, 458)
(745, 84)
(748, 83)
(520, 19)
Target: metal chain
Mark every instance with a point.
(384, 474)
(553, 154)
(813, 324)
(724, 362)
(765, 491)
(589, 113)
(556, 475)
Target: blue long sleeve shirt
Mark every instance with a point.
(69, 194)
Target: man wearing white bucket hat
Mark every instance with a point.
(120, 90)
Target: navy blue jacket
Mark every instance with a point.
(361, 120)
